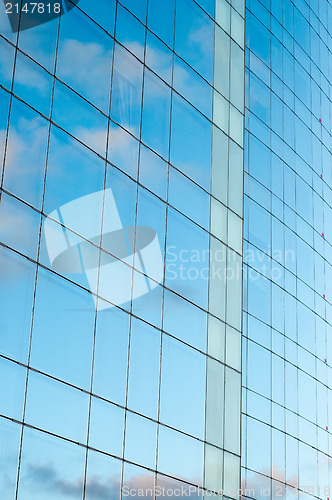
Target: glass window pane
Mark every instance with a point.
(16, 294)
(79, 118)
(123, 150)
(6, 63)
(192, 87)
(57, 407)
(50, 468)
(218, 271)
(161, 19)
(235, 184)
(219, 174)
(101, 11)
(259, 369)
(216, 338)
(215, 403)
(84, 59)
(191, 142)
(219, 220)
(127, 90)
(189, 198)
(232, 410)
(111, 354)
(185, 321)
(156, 114)
(237, 76)
(143, 380)
(12, 389)
(234, 289)
(231, 475)
(73, 171)
(130, 32)
(153, 172)
(194, 36)
(221, 61)
(237, 27)
(10, 437)
(19, 226)
(187, 259)
(213, 467)
(221, 112)
(234, 232)
(40, 43)
(158, 56)
(106, 427)
(137, 8)
(141, 435)
(182, 387)
(103, 477)
(259, 446)
(180, 456)
(236, 125)
(233, 348)
(133, 479)
(33, 84)
(151, 213)
(63, 327)
(26, 154)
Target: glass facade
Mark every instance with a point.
(287, 404)
(121, 213)
(165, 242)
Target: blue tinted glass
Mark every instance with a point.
(111, 354)
(259, 39)
(16, 294)
(4, 103)
(161, 19)
(194, 37)
(137, 8)
(6, 63)
(127, 90)
(191, 142)
(184, 321)
(192, 87)
(10, 436)
(33, 84)
(189, 198)
(73, 171)
(158, 57)
(26, 154)
(50, 466)
(106, 427)
(57, 407)
(180, 455)
(12, 389)
(144, 378)
(79, 118)
(156, 114)
(19, 225)
(103, 476)
(153, 172)
(123, 150)
(130, 32)
(182, 385)
(40, 43)
(66, 313)
(85, 58)
(187, 259)
(140, 445)
(101, 11)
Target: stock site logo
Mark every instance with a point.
(24, 15)
(109, 273)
